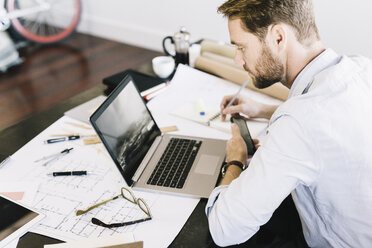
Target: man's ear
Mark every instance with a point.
(277, 37)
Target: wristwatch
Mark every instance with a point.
(234, 162)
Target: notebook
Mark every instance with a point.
(191, 112)
(132, 138)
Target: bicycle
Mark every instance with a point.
(40, 21)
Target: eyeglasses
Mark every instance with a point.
(128, 195)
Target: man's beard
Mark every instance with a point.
(269, 70)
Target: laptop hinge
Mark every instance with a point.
(146, 159)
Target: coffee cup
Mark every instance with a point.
(163, 66)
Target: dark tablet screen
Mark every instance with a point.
(13, 217)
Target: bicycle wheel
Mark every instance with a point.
(52, 24)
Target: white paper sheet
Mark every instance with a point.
(60, 197)
(26, 190)
(186, 87)
(12, 244)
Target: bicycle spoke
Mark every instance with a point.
(53, 28)
(36, 25)
(39, 23)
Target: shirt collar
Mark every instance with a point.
(304, 80)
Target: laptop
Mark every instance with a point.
(148, 159)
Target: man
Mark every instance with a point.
(317, 145)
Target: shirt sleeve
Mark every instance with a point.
(213, 198)
(283, 161)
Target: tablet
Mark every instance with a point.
(15, 220)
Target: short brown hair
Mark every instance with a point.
(258, 15)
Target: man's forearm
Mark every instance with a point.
(267, 111)
(232, 172)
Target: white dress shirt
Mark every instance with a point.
(318, 147)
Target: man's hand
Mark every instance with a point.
(236, 148)
(246, 106)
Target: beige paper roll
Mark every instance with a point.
(91, 141)
(222, 59)
(217, 48)
(238, 76)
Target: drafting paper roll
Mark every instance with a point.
(222, 59)
(238, 76)
(217, 48)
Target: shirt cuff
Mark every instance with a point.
(213, 198)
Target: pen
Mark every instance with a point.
(68, 173)
(71, 137)
(233, 99)
(237, 93)
(153, 94)
(54, 156)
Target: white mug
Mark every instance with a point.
(163, 66)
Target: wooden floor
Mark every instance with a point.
(52, 74)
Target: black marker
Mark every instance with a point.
(68, 173)
(55, 140)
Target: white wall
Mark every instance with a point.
(344, 25)
(146, 22)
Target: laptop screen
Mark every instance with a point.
(126, 127)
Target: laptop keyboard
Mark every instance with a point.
(175, 163)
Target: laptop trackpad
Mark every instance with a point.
(207, 164)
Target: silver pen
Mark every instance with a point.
(232, 100)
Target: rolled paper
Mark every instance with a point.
(168, 129)
(238, 76)
(218, 48)
(91, 141)
(222, 59)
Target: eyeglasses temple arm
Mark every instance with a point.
(103, 224)
(80, 212)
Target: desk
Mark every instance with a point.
(195, 232)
